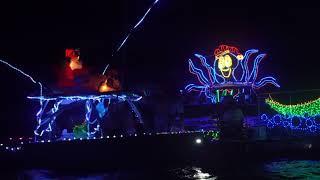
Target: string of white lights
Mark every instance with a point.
(132, 30)
(15, 145)
(25, 74)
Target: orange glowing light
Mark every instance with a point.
(75, 63)
(105, 88)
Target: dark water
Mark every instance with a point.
(280, 169)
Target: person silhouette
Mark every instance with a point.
(231, 118)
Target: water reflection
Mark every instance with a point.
(298, 169)
(284, 169)
(194, 173)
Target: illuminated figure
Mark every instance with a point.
(230, 70)
(74, 55)
(223, 56)
(73, 74)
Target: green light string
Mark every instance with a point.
(307, 109)
(213, 134)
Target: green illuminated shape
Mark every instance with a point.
(218, 95)
(308, 109)
(80, 131)
(214, 134)
(224, 93)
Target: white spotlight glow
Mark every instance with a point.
(198, 141)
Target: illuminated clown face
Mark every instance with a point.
(227, 59)
(225, 65)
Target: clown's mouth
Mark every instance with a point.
(226, 72)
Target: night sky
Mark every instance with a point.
(33, 36)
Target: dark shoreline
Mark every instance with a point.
(155, 151)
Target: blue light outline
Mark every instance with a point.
(208, 67)
(286, 122)
(198, 72)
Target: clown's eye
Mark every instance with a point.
(227, 61)
(221, 63)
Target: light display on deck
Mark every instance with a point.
(229, 69)
(304, 116)
(52, 106)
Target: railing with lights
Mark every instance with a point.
(17, 144)
(46, 118)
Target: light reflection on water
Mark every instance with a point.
(285, 169)
(192, 173)
(298, 169)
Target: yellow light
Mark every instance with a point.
(225, 65)
(104, 88)
(240, 57)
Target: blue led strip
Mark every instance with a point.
(199, 73)
(246, 59)
(88, 115)
(136, 112)
(46, 119)
(192, 87)
(308, 124)
(254, 73)
(209, 68)
(211, 96)
(265, 81)
(244, 63)
(133, 97)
